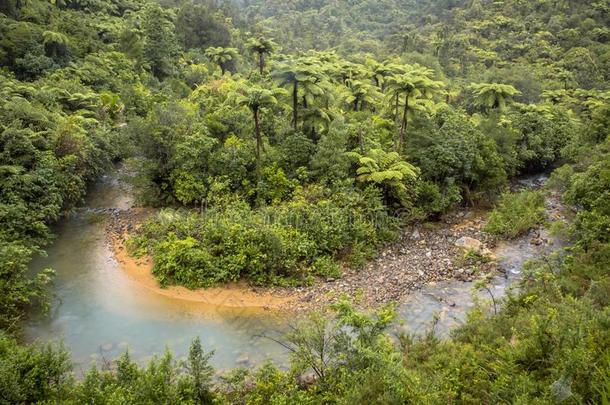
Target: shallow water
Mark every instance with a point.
(99, 311)
(450, 301)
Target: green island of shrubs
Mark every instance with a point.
(284, 140)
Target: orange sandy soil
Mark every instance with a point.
(235, 295)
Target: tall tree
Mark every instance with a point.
(256, 98)
(160, 46)
(295, 74)
(414, 84)
(200, 372)
(261, 46)
(361, 93)
(199, 26)
(221, 56)
(315, 120)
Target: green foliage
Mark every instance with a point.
(387, 171)
(86, 82)
(163, 380)
(19, 290)
(221, 56)
(493, 95)
(278, 244)
(261, 46)
(454, 153)
(53, 141)
(411, 85)
(590, 191)
(160, 47)
(516, 214)
(540, 138)
(32, 374)
(201, 26)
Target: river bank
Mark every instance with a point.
(424, 255)
(98, 311)
(101, 307)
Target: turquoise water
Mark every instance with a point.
(99, 312)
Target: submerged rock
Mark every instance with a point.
(243, 361)
(107, 347)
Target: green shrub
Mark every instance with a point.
(433, 200)
(590, 192)
(33, 374)
(456, 154)
(281, 244)
(516, 214)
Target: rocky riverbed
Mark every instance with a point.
(455, 248)
(423, 254)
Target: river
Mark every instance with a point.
(99, 312)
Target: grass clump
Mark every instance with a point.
(516, 214)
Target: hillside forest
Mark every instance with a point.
(280, 142)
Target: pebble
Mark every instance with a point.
(243, 361)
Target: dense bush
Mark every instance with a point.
(540, 138)
(287, 243)
(48, 153)
(456, 154)
(590, 191)
(516, 214)
(31, 374)
(299, 161)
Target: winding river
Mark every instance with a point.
(99, 312)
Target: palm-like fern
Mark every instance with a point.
(386, 170)
(298, 74)
(221, 56)
(261, 46)
(55, 44)
(493, 95)
(361, 93)
(415, 83)
(255, 98)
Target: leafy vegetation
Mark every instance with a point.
(516, 214)
(275, 245)
(284, 139)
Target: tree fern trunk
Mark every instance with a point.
(259, 141)
(403, 129)
(261, 62)
(295, 102)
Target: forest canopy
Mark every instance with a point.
(283, 141)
